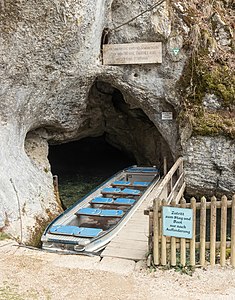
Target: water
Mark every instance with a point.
(74, 186)
(83, 165)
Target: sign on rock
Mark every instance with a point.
(167, 115)
(134, 53)
(177, 222)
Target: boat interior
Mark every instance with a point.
(104, 208)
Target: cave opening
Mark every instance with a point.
(84, 164)
(114, 133)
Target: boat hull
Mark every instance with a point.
(92, 222)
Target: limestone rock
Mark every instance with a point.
(54, 89)
(210, 165)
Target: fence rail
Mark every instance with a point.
(213, 239)
(172, 185)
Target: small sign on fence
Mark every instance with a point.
(177, 222)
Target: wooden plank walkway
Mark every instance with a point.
(132, 241)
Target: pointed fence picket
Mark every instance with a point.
(213, 234)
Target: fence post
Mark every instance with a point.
(165, 165)
(233, 233)
(163, 244)
(193, 240)
(182, 241)
(173, 244)
(156, 232)
(56, 188)
(213, 231)
(223, 230)
(150, 238)
(203, 231)
(181, 168)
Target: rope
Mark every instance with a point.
(143, 12)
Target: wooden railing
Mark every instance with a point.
(213, 238)
(172, 185)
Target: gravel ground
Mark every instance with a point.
(32, 274)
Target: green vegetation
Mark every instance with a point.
(37, 231)
(214, 124)
(187, 269)
(201, 77)
(4, 236)
(9, 292)
(209, 71)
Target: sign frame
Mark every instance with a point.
(177, 222)
(167, 116)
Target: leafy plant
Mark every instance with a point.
(187, 269)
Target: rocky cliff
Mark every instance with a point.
(54, 89)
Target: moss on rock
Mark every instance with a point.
(204, 76)
(210, 69)
(38, 229)
(214, 124)
(217, 80)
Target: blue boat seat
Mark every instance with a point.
(121, 183)
(118, 201)
(66, 230)
(89, 232)
(142, 170)
(141, 183)
(111, 213)
(127, 191)
(102, 200)
(75, 231)
(111, 191)
(117, 191)
(87, 211)
(124, 201)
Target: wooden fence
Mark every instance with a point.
(213, 238)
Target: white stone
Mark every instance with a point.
(211, 102)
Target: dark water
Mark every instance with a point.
(83, 165)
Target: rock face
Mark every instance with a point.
(210, 165)
(54, 89)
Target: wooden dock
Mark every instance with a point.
(132, 241)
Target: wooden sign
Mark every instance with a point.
(135, 53)
(177, 222)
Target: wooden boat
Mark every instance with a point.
(90, 224)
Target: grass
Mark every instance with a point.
(10, 292)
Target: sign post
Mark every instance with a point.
(177, 222)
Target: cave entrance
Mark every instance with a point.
(84, 164)
(115, 133)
